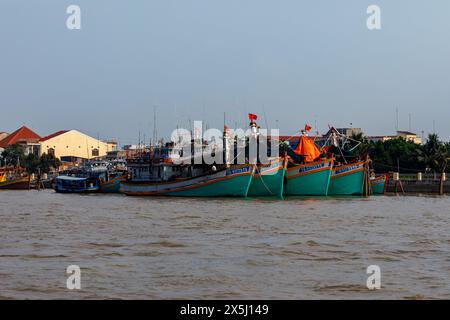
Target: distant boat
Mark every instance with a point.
(71, 184)
(188, 181)
(348, 179)
(378, 184)
(94, 176)
(269, 179)
(112, 185)
(14, 179)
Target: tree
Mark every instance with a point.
(43, 164)
(13, 155)
(436, 156)
(364, 146)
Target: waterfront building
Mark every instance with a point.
(408, 136)
(24, 137)
(349, 132)
(72, 145)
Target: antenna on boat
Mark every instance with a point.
(154, 126)
(139, 142)
(265, 117)
(224, 119)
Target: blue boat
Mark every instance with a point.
(71, 184)
(96, 176)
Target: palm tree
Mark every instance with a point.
(364, 146)
(435, 156)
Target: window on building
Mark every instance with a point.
(95, 153)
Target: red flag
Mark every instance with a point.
(252, 117)
(308, 127)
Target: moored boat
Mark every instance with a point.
(308, 171)
(310, 179)
(348, 179)
(93, 176)
(14, 179)
(378, 184)
(112, 184)
(74, 184)
(268, 179)
(188, 181)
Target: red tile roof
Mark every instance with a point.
(53, 135)
(22, 135)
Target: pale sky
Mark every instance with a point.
(299, 61)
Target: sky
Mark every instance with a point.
(291, 62)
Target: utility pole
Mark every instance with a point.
(410, 127)
(396, 122)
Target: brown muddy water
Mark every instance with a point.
(166, 248)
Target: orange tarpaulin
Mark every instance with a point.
(308, 149)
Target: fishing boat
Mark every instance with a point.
(350, 173)
(93, 176)
(308, 171)
(309, 179)
(168, 179)
(109, 173)
(112, 182)
(14, 179)
(76, 184)
(378, 184)
(348, 179)
(268, 179)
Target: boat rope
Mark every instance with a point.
(265, 185)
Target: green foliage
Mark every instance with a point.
(15, 156)
(409, 156)
(12, 155)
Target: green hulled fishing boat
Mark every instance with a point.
(268, 179)
(348, 179)
(188, 181)
(308, 170)
(378, 184)
(311, 179)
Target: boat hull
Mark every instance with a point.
(312, 179)
(113, 185)
(16, 184)
(347, 179)
(232, 182)
(268, 180)
(378, 185)
(69, 190)
(66, 184)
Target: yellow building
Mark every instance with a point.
(408, 136)
(74, 144)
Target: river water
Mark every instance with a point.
(171, 248)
